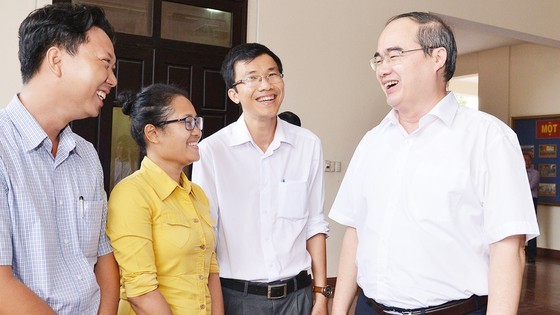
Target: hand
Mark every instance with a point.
(321, 305)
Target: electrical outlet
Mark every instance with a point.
(328, 166)
(337, 166)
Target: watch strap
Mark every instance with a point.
(318, 289)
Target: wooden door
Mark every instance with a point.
(148, 58)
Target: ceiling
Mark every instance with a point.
(472, 36)
(470, 40)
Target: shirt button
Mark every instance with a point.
(195, 220)
(202, 246)
(65, 241)
(201, 277)
(202, 306)
(60, 203)
(79, 277)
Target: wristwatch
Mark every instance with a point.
(327, 290)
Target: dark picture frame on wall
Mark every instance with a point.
(540, 137)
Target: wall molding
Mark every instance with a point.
(548, 253)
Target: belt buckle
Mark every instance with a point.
(273, 288)
(397, 312)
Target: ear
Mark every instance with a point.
(232, 93)
(53, 59)
(151, 133)
(440, 57)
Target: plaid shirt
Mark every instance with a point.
(52, 212)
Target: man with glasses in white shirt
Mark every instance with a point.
(436, 200)
(264, 180)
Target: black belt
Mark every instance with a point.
(458, 307)
(272, 290)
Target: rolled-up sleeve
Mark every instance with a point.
(214, 264)
(129, 227)
(316, 222)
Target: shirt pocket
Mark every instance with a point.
(176, 229)
(90, 213)
(206, 217)
(433, 195)
(292, 200)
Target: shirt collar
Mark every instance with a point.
(162, 184)
(32, 134)
(445, 110)
(240, 133)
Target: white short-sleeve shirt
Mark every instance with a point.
(427, 205)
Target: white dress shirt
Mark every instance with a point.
(427, 205)
(266, 205)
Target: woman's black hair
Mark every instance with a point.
(152, 105)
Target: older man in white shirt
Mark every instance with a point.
(436, 198)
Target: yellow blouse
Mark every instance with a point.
(162, 237)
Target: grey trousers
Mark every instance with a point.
(299, 302)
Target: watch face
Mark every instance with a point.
(328, 291)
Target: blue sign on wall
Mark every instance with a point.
(540, 136)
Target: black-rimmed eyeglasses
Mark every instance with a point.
(190, 122)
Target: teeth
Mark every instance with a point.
(193, 143)
(390, 84)
(265, 99)
(102, 95)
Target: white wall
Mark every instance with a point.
(464, 85)
(11, 14)
(520, 80)
(328, 80)
(534, 81)
(492, 67)
(325, 47)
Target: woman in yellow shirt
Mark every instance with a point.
(159, 222)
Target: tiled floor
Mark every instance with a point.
(541, 288)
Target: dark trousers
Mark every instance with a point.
(531, 250)
(299, 302)
(362, 308)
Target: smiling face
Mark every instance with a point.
(88, 75)
(263, 101)
(413, 81)
(178, 147)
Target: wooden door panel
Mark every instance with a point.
(180, 76)
(143, 60)
(134, 67)
(214, 122)
(214, 91)
(217, 108)
(203, 81)
(134, 71)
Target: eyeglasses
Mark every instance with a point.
(393, 57)
(190, 122)
(254, 80)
